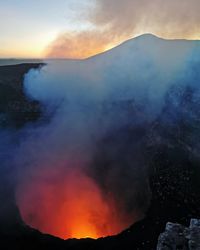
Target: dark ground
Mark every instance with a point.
(15, 108)
(173, 169)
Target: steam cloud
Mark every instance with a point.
(84, 155)
(114, 21)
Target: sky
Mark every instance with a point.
(28, 26)
(81, 28)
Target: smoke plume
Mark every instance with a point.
(114, 21)
(81, 171)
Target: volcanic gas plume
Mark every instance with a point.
(80, 172)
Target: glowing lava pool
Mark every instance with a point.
(71, 206)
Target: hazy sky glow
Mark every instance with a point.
(80, 28)
(28, 26)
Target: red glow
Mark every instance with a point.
(69, 207)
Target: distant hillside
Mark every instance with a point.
(15, 108)
(13, 61)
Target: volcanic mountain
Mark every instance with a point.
(141, 101)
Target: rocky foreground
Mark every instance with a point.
(177, 236)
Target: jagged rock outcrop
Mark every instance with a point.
(179, 237)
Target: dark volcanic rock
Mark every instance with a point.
(179, 237)
(15, 108)
(173, 237)
(193, 235)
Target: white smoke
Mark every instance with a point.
(91, 99)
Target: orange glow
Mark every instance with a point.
(70, 207)
(78, 45)
(81, 45)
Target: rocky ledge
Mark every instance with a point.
(179, 237)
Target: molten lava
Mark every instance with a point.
(69, 206)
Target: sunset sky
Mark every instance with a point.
(80, 28)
